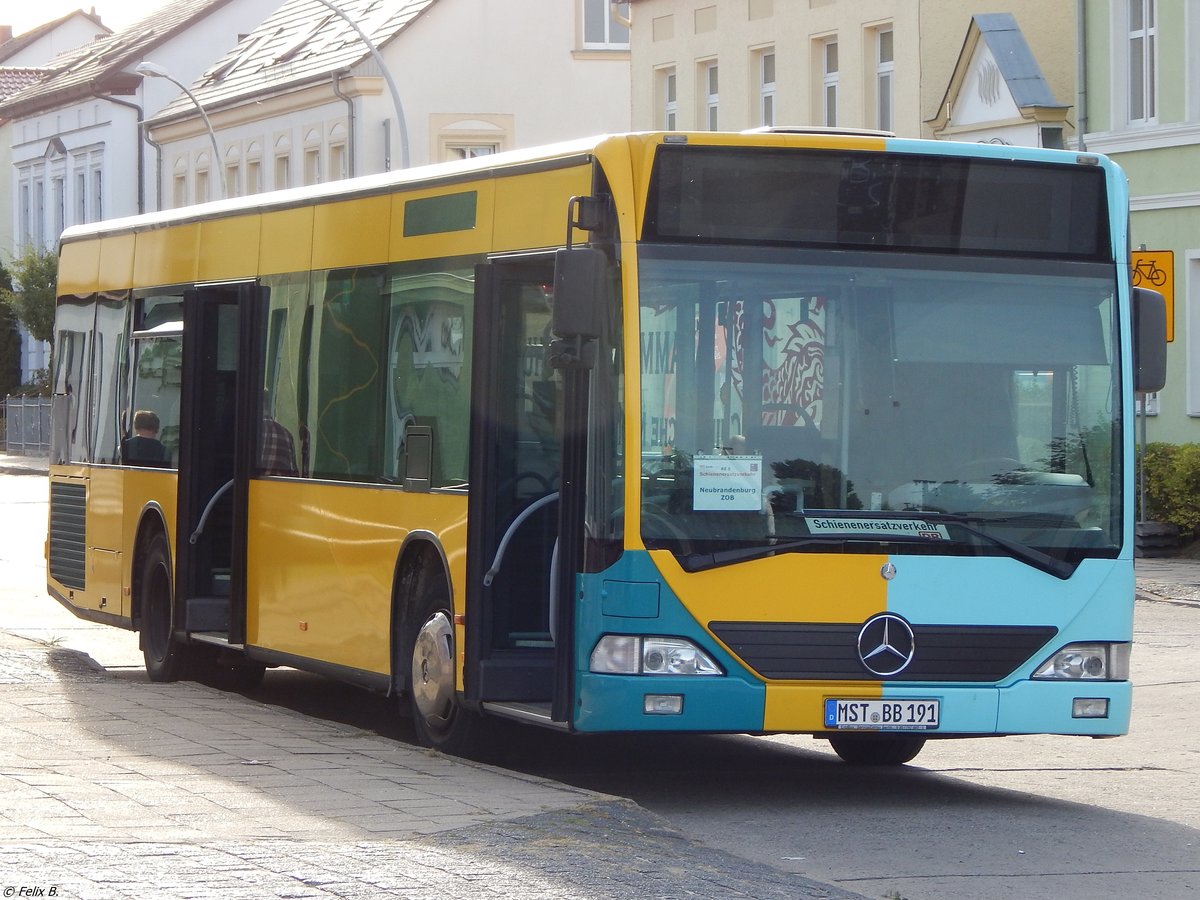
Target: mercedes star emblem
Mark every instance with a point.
(886, 645)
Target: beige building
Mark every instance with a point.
(738, 64)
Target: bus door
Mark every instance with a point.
(516, 407)
(215, 453)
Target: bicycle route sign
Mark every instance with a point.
(1155, 269)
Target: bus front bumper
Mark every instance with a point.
(721, 704)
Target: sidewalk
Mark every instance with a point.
(14, 464)
(120, 788)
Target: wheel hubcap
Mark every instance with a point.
(433, 671)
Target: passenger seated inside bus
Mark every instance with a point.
(144, 448)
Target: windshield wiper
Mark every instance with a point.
(1030, 556)
(696, 562)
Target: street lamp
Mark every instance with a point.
(387, 77)
(153, 70)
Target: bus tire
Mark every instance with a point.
(439, 719)
(166, 658)
(869, 750)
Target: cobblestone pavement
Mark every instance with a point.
(112, 788)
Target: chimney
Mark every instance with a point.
(5, 34)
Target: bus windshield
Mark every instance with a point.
(935, 403)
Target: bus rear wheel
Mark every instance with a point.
(166, 658)
(872, 750)
(439, 718)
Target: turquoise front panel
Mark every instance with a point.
(1095, 604)
(618, 601)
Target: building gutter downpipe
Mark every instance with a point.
(350, 122)
(141, 149)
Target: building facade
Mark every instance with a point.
(876, 64)
(1142, 75)
(75, 134)
(302, 100)
(25, 60)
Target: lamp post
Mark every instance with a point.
(153, 70)
(387, 77)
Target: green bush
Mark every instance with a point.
(1173, 484)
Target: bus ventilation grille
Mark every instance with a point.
(810, 651)
(68, 533)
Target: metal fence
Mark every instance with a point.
(27, 426)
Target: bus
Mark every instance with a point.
(771, 432)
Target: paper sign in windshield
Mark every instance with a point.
(907, 527)
(727, 483)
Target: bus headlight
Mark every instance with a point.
(623, 654)
(1087, 662)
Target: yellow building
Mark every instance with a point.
(886, 64)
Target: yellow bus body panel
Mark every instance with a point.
(321, 561)
(464, 242)
(231, 248)
(167, 255)
(531, 210)
(351, 233)
(116, 262)
(286, 242)
(79, 269)
(824, 588)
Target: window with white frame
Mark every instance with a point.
(233, 172)
(1143, 60)
(39, 212)
(668, 84)
(58, 200)
(81, 192)
(829, 82)
(605, 25)
(885, 66)
(766, 87)
(25, 212)
(254, 180)
(709, 78)
(203, 164)
(97, 200)
(339, 161)
(312, 157)
(283, 161)
(469, 151)
(179, 183)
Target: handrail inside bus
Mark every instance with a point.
(528, 511)
(208, 510)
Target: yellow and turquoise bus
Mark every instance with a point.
(768, 432)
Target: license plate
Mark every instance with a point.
(883, 715)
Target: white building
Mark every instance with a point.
(77, 153)
(24, 60)
(302, 100)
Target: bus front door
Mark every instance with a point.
(513, 612)
(216, 442)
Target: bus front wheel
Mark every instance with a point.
(870, 750)
(439, 719)
(166, 658)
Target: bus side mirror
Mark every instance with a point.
(580, 287)
(1150, 340)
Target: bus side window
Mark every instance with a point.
(428, 373)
